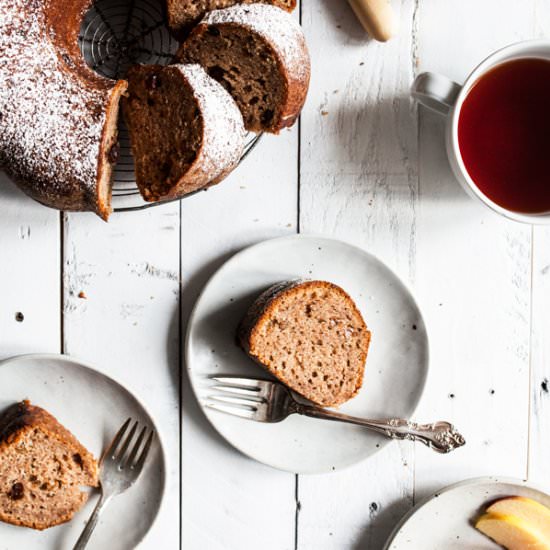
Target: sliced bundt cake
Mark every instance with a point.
(311, 336)
(183, 15)
(259, 54)
(42, 467)
(185, 130)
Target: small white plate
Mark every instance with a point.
(445, 520)
(93, 407)
(397, 363)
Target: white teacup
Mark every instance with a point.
(446, 97)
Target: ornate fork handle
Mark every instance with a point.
(439, 436)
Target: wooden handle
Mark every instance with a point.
(376, 16)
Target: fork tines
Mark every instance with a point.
(117, 451)
(250, 383)
(235, 410)
(237, 396)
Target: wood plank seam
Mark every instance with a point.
(298, 230)
(181, 351)
(62, 282)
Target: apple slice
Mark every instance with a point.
(526, 509)
(512, 532)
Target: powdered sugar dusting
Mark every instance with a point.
(51, 119)
(224, 133)
(195, 9)
(282, 32)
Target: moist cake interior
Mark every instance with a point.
(165, 126)
(246, 66)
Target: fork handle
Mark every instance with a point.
(84, 538)
(439, 436)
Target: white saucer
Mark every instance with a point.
(93, 407)
(445, 519)
(396, 369)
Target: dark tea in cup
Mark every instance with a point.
(504, 134)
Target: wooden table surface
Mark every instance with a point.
(366, 166)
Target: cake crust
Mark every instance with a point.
(183, 15)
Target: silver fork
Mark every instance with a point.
(266, 401)
(118, 471)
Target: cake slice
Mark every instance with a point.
(259, 54)
(42, 467)
(186, 132)
(183, 15)
(311, 336)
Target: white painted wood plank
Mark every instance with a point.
(359, 183)
(229, 501)
(30, 318)
(539, 442)
(126, 321)
(473, 270)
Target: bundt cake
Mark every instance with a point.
(183, 15)
(311, 336)
(58, 118)
(186, 131)
(42, 467)
(259, 54)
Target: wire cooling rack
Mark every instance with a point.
(114, 35)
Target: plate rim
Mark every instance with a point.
(266, 242)
(523, 483)
(65, 358)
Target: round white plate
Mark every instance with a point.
(93, 407)
(445, 520)
(397, 363)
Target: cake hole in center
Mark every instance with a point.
(116, 34)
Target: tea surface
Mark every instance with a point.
(504, 135)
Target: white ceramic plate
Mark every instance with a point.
(444, 521)
(396, 366)
(93, 407)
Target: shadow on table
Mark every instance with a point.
(190, 409)
(14, 200)
(8, 189)
(383, 151)
(382, 526)
(345, 20)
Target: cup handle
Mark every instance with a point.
(435, 91)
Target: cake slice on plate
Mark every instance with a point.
(42, 469)
(311, 336)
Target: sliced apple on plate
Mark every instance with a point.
(517, 523)
(512, 532)
(526, 509)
